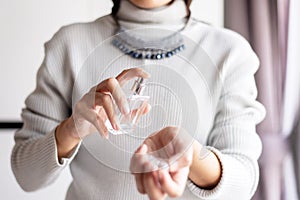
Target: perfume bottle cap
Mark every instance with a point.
(138, 86)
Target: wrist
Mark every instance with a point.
(205, 170)
(66, 137)
(68, 129)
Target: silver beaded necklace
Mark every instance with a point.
(139, 48)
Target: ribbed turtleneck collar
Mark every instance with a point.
(173, 16)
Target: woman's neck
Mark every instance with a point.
(173, 16)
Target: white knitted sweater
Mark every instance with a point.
(77, 54)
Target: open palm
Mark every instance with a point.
(161, 164)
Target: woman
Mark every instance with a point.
(55, 123)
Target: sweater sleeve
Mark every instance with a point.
(34, 157)
(233, 137)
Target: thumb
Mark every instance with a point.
(142, 149)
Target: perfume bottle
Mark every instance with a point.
(137, 103)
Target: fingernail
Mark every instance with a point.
(106, 135)
(147, 74)
(143, 148)
(126, 108)
(116, 127)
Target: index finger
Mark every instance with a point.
(129, 74)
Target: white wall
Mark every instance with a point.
(25, 26)
(211, 11)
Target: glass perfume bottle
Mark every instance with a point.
(137, 104)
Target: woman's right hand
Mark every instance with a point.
(93, 109)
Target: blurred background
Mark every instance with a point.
(271, 26)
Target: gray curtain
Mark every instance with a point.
(266, 25)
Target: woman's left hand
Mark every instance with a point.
(161, 164)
